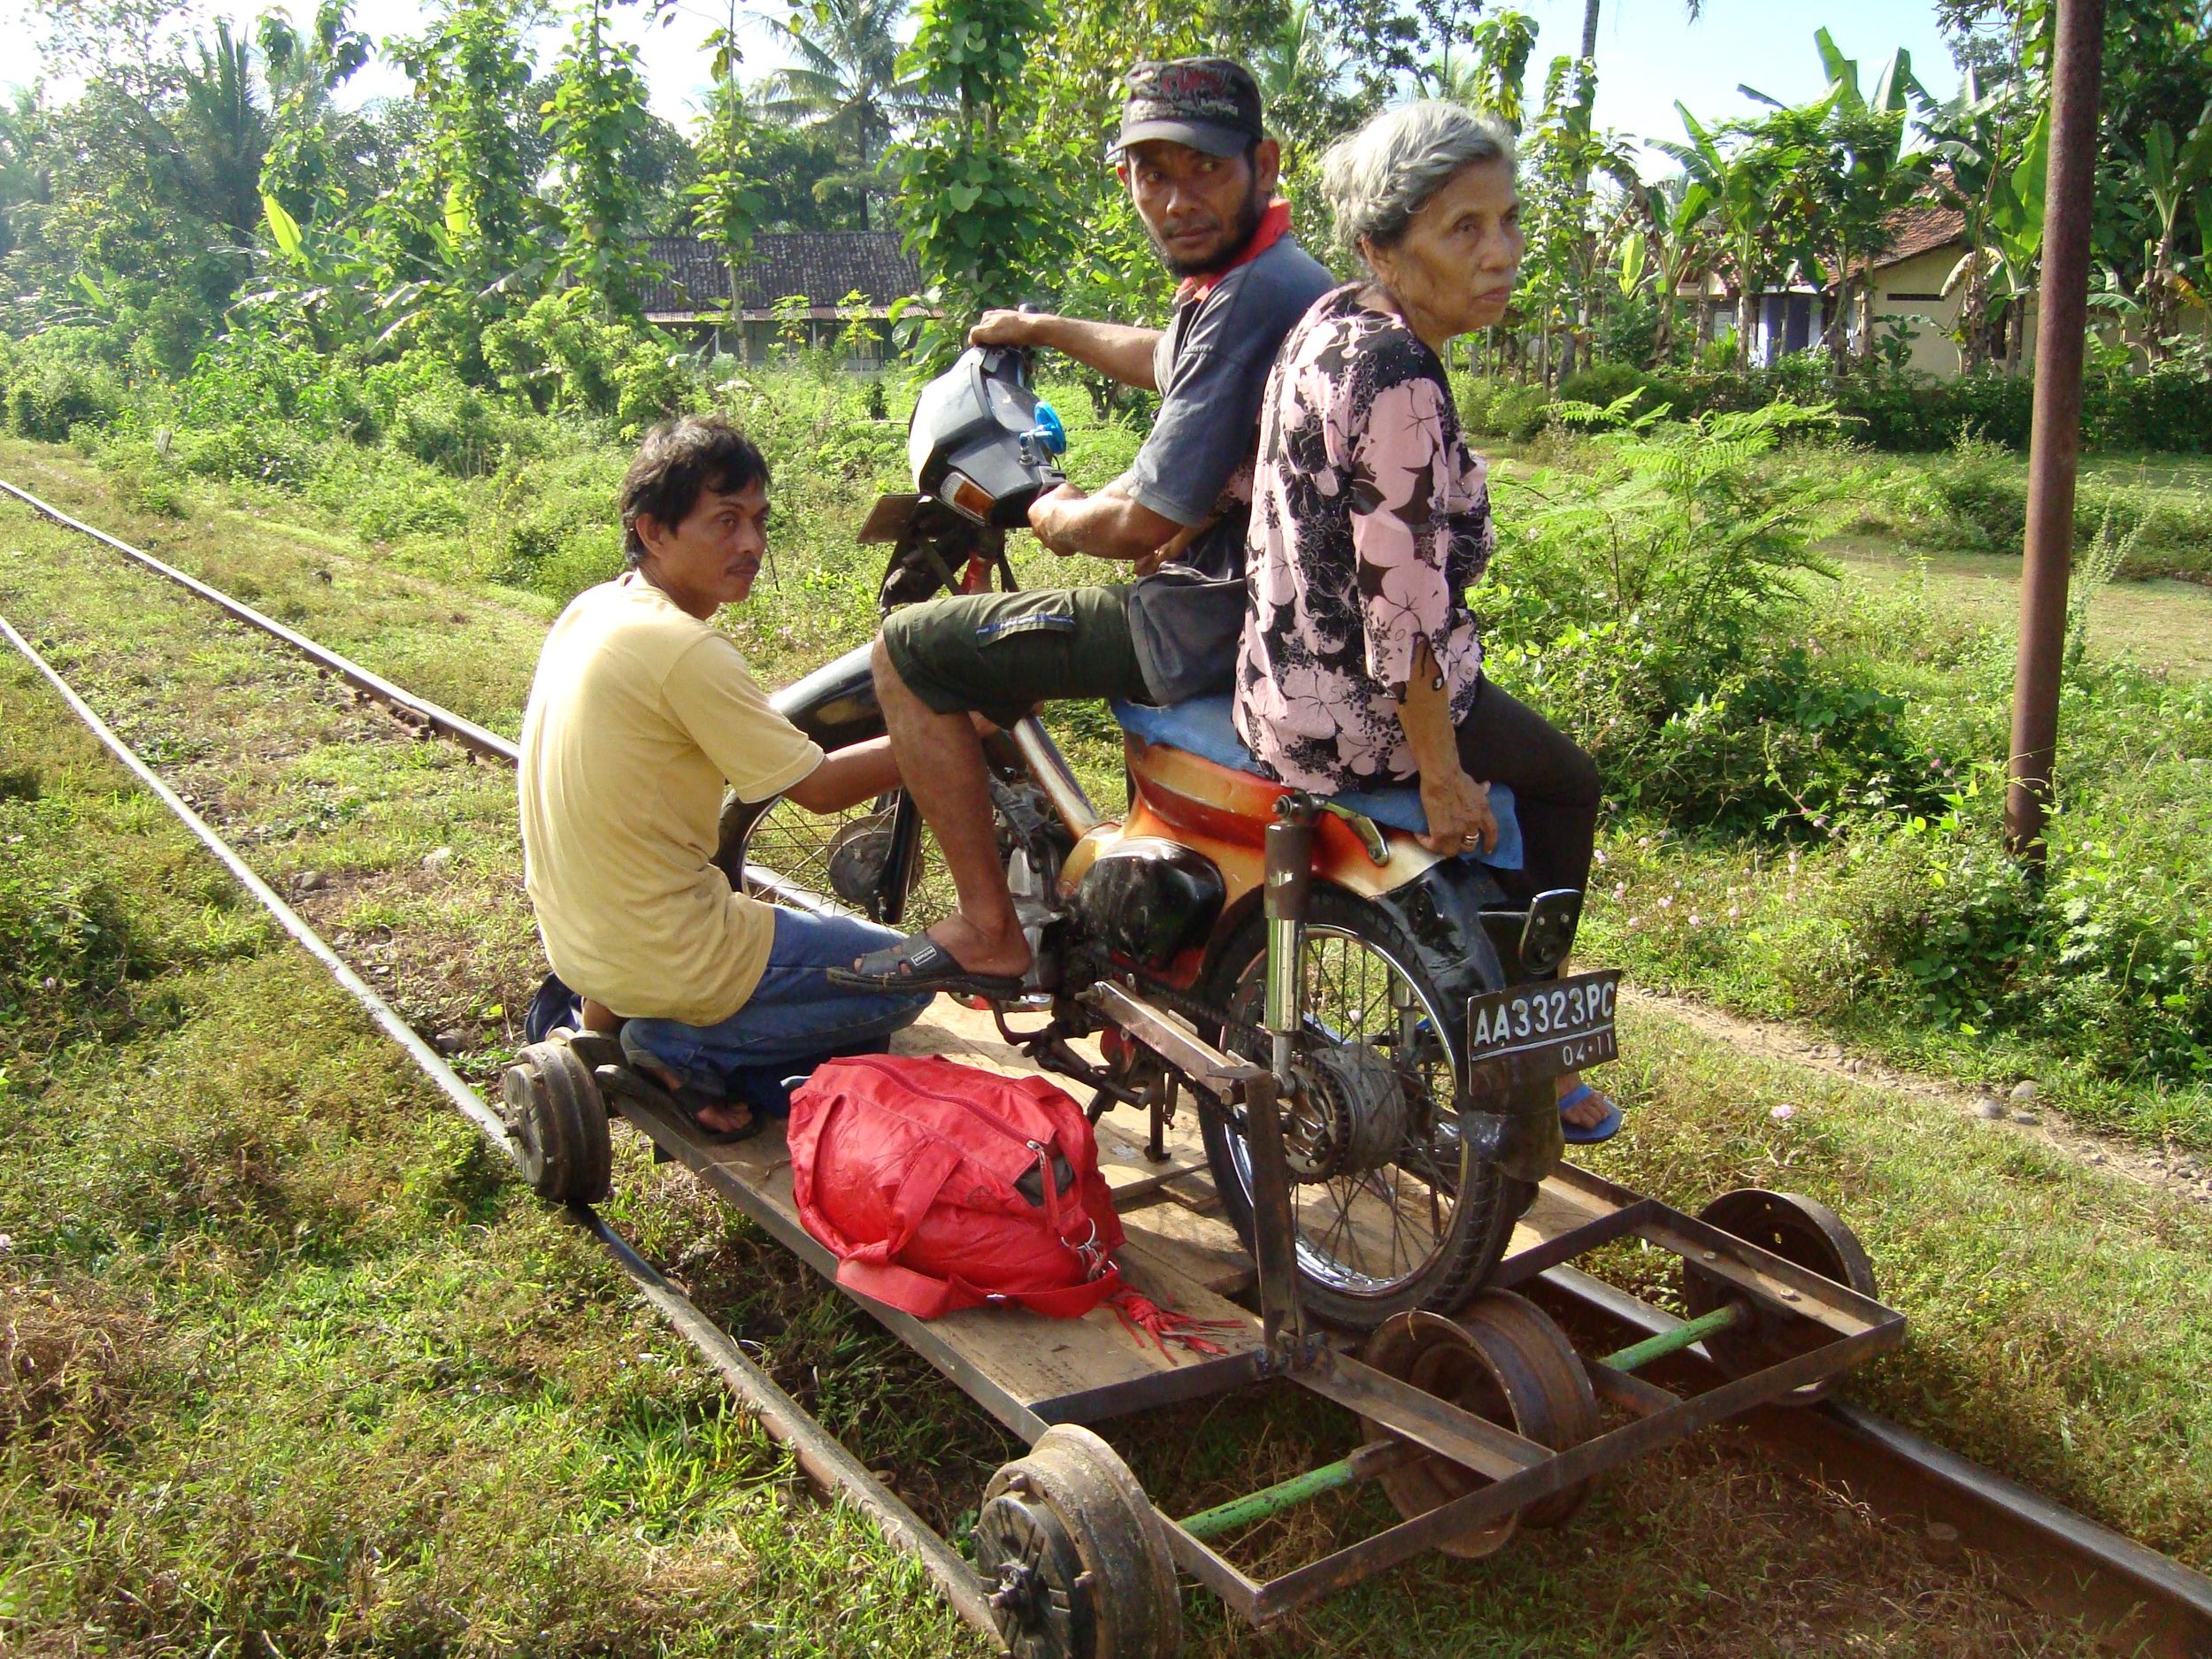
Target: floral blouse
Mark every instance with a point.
(1370, 519)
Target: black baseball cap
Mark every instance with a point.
(1210, 104)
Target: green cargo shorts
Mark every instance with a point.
(1002, 654)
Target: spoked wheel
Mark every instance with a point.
(1392, 1210)
(1505, 1362)
(847, 856)
(1797, 1229)
(552, 1103)
(1076, 1563)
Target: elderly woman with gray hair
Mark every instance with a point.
(1360, 665)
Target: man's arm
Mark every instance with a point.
(1111, 525)
(847, 777)
(1116, 349)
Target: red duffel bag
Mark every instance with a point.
(939, 1186)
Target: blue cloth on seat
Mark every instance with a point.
(1203, 726)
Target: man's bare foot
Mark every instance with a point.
(1583, 1114)
(725, 1118)
(979, 952)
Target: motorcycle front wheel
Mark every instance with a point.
(1390, 1209)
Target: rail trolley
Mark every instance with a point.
(1473, 1425)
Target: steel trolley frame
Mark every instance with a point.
(1787, 1310)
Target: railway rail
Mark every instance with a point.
(2135, 1599)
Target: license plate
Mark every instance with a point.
(1527, 1034)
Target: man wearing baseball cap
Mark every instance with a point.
(1200, 171)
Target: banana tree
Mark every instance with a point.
(1671, 245)
(320, 273)
(2178, 177)
(1980, 137)
(1757, 174)
(1863, 177)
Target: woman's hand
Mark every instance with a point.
(1458, 809)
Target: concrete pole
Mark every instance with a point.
(2055, 440)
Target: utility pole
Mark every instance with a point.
(2054, 439)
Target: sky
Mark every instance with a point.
(1647, 55)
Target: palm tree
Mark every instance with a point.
(1676, 215)
(315, 144)
(217, 137)
(847, 86)
(1755, 173)
(1299, 68)
(1867, 176)
(1586, 105)
(26, 171)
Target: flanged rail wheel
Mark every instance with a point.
(1797, 1229)
(1433, 1354)
(552, 1103)
(1075, 1559)
(1545, 1381)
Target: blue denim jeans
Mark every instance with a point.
(795, 1019)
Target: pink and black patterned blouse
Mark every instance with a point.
(1370, 519)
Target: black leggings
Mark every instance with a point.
(1554, 787)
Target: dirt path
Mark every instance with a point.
(2177, 1173)
(2161, 624)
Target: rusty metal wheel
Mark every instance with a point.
(1797, 1229)
(1545, 1379)
(552, 1104)
(1435, 1355)
(1077, 1563)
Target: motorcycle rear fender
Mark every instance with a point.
(1441, 911)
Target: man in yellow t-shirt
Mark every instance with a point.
(640, 712)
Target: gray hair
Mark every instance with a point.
(1379, 177)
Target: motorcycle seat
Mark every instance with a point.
(1203, 726)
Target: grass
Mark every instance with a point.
(290, 1363)
(1975, 499)
(2160, 624)
(329, 1379)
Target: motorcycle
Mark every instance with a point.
(1409, 1010)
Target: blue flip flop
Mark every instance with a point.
(1604, 1129)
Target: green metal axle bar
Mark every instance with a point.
(1674, 1341)
(1362, 1464)
(1372, 1459)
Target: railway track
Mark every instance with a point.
(2135, 1599)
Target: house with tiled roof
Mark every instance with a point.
(1924, 243)
(811, 280)
(1909, 276)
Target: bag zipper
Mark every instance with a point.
(1005, 1131)
(1042, 1149)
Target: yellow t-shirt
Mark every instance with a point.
(638, 714)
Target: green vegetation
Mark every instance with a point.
(290, 1364)
(2167, 408)
(288, 1361)
(1659, 589)
(310, 1272)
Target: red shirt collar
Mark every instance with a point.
(1274, 225)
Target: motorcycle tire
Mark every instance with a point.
(1341, 1218)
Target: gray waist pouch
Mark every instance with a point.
(1185, 626)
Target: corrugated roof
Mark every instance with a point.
(825, 266)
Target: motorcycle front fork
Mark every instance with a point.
(1289, 877)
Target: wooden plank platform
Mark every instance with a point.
(1029, 1371)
